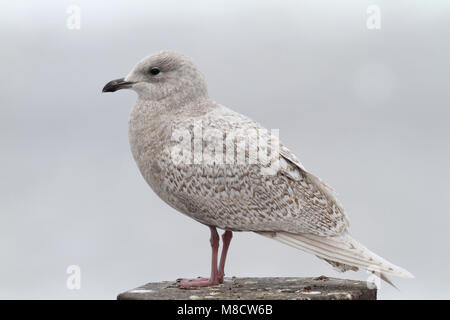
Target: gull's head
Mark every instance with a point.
(166, 74)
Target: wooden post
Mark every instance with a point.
(319, 288)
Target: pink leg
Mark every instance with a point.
(226, 239)
(214, 279)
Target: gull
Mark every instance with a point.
(226, 171)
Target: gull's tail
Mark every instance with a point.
(342, 252)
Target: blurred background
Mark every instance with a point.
(364, 105)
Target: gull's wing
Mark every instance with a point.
(252, 197)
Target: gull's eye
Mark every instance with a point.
(154, 71)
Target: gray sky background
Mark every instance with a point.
(366, 110)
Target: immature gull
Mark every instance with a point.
(226, 171)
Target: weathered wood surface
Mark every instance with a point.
(319, 288)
